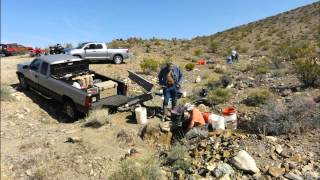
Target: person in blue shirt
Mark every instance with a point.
(170, 79)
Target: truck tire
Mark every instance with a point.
(117, 59)
(23, 83)
(70, 110)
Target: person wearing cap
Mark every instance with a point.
(170, 78)
(196, 117)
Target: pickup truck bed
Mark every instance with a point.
(69, 80)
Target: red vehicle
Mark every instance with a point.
(36, 52)
(15, 49)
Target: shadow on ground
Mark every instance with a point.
(52, 107)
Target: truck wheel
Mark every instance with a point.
(23, 83)
(117, 59)
(70, 110)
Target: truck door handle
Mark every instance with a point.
(36, 76)
(94, 51)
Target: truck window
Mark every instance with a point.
(35, 65)
(91, 46)
(44, 68)
(99, 46)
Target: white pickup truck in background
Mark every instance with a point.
(98, 52)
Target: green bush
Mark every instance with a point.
(131, 169)
(178, 157)
(259, 96)
(263, 66)
(219, 95)
(308, 70)
(190, 66)
(198, 52)
(149, 65)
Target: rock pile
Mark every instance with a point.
(225, 155)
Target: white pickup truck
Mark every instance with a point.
(68, 80)
(99, 52)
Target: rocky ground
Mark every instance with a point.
(36, 144)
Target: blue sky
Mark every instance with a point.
(44, 22)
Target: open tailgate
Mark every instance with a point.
(121, 100)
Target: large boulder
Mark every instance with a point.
(222, 169)
(245, 162)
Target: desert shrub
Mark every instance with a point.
(39, 174)
(178, 158)
(262, 69)
(119, 44)
(132, 169)
(198, 52)
(298, 116)
(190, 66)
(243, 49)
(259, 96)
(6, 93)
(219, 95)
(97, 118)
(308, 70)
(263, 66)
(157, 43)
(211, 78)
(219, 69)
(174, 41)
(148, 48)
(293, 51)
(213, 47)
(149, 65)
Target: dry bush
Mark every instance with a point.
(263, 66)
(97, 118)
(259, 96)
(198, 52)
(213, 46)
(298, 116)
(178, 158)
(211, 79)
(149, 65)
(308, 70)
(6, 94)
(125, 137)
(135, 169)
(219, 95)
(220, 69)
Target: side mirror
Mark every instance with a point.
(25, 67)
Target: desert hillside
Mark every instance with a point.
(274, 88)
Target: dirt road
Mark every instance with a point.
(33, 139)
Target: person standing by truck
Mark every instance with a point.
(170, 78)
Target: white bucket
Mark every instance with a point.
(217, 122)
(141, 115)
(230, 116)
(184, 94)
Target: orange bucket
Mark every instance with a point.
(202, 62)
(228, 111)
